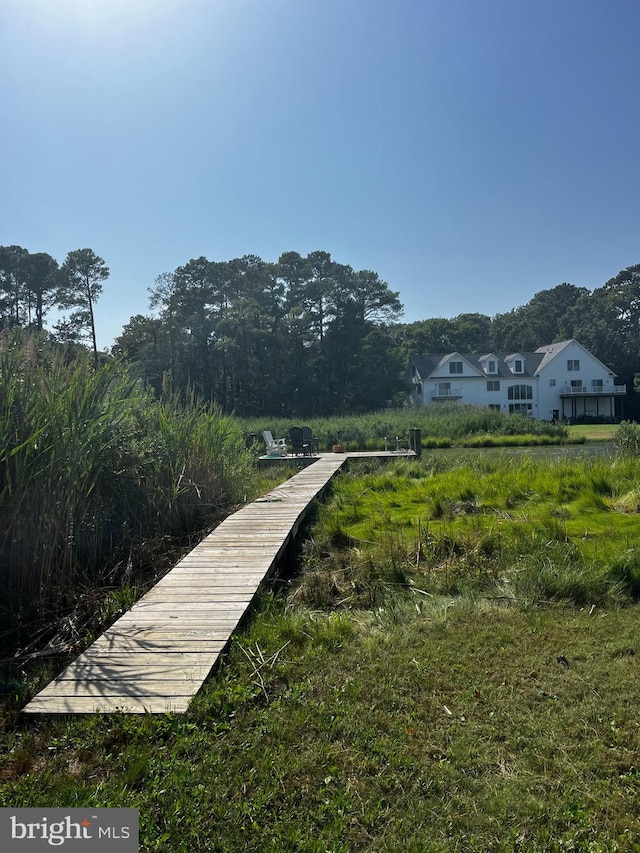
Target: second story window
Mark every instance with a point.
(493, 385)
(520, 392)
(573, 364)
(455, 367)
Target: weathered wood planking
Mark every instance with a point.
(155, 658)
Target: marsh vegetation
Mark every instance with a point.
(525, 528)
(98, 478)
(445, 425)
(455, 667)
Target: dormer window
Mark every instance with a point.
(455, 367)
(489, 363)
(515, 363)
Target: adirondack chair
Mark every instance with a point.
(275, 446)
(298, 444)
(309, 439)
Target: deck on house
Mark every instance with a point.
(155, 658)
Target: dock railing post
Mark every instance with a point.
(415, 441)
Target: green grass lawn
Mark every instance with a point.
(427, 725)
(593, 432)
(470, 683)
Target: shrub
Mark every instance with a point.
(627, 439)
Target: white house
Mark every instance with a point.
(556, 382)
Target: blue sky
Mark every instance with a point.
(471, 152)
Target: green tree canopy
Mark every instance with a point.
(82, 275)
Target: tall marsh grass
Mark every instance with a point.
(524, 528)
(90, 463)
(441, 426)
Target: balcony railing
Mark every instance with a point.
(601, 390)
(454, 393)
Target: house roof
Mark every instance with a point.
(550, 351)
(533, 362)
(426, 364)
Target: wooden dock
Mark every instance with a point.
(155, 658)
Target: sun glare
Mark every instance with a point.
(103, 15)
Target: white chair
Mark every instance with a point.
(275, 446)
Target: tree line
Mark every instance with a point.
(31, 284)
(305, 336)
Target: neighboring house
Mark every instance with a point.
(560, 381)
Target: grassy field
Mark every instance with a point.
(592, 432)
(455, 668)
(431, 725)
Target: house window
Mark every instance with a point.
(517, 366)
(520, 392)
(444, 389)
(492, 366)
(493, 385)
(418, 387)
(573, 364)
(597, 384)
(576, 383)
(520, 408)
(455, 367)
(552, 383)
(495, 407)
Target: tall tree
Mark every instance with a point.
(471, 333)
(424, 336)
(13, 260)
(607, 322)
(545, 319)
(144, 342)
(42, 283)
(82, 275)
(163, 296)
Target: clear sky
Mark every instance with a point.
(471, 152)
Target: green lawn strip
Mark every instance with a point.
(450, 726)
(592, 432)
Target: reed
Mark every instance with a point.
(90, 464)
(441, 426)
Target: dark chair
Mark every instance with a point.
(309, 439)
(298, 445)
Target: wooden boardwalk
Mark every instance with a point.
(155, 658)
